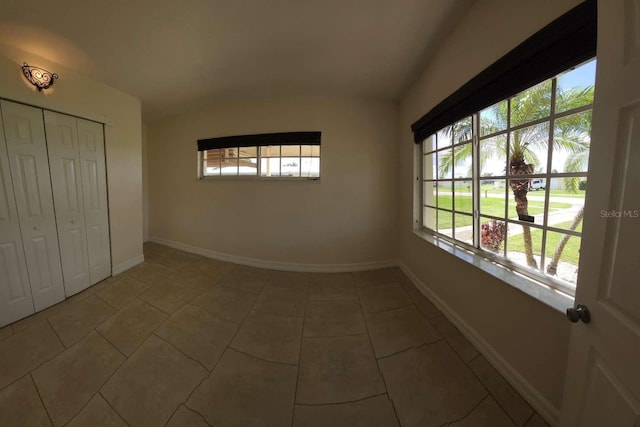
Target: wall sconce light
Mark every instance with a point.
(39, 77)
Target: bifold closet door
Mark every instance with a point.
(94, 185)
(64, 164)
(27, 150)
(15, 295)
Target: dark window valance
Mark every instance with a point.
(260, 140)
(564, 43)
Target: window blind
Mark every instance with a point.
(260, 140)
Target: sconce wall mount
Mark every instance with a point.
(39, 77)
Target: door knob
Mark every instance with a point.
(580, 312)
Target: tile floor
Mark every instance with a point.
(183, 340)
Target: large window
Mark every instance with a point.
(296, 156)
(509, 181)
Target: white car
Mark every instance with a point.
(536, 184)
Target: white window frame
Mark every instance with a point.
(546, 288)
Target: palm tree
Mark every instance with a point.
(526, 107)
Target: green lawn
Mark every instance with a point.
(571, 250)
(490, 189)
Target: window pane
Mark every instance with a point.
(518, 250)
(445, 223)
(492, 198)
(575, 87)
(464, 196)
(248, 167)
(530, 202)
(310, 166)
(445, 198)
(493, 156)
(528, 149)
(492, 235)
(230, 167)
(429, 218)
(565, 207)
(211, 162)
(562, 254)
(493, 119)
(532, 104)
(571, 140)
(462, 130)
(463, 161)
(290, 166)
(290, 150)
(270, 151)
(464, 228)
(445, 164)
(305, 150)
(429, 144)
(248, 152)
(315, 150)
(430, 168)
(430, 193)
(270, 166)
(444, 137)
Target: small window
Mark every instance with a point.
(234, 156)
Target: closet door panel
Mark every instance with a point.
(94, 184)
(26, 147)
(64, 163)
(15, 295)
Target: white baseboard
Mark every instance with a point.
(122, 267)
(277, 265)
(541, 404)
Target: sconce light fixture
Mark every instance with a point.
(39, 77)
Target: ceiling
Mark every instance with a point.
(179, 55)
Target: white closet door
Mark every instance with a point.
(15, 295)
(64, 164)
(26, 146)
(94, 185)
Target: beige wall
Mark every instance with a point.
(78, 95)
(145, 185)
(348, 216)
(531, 337)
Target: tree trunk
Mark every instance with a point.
(520, 187)
(552, 269)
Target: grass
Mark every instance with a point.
(580, 194)
(571, 251)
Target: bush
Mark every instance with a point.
(493, 234)
(582, 185)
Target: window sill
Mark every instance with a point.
(257, 178)
(534, 288)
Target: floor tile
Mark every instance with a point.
(169, 295)
(26, 350)
(334, 318)
(152, 383)
(150, 273)
(40, 316)
(198, 278)
(245, 391)
(509, 399)
(77, 321)
(120, 292)
(374, 412)
(397, 330)
(215, 266)
(337, 370)
(97, 413)
(5, 332)
(185, 417)
(488, 413)
(289, 300)
(432, 375)
(289, 279)
(536, 421)
(68, 381)
(454, 337)
(424, 305)
(272, 337)
(129, 327)
(330, 286)
(226, 304)
(20, 405)
(246, 280)
(377, 277)
(382, 297)
(197, 334)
